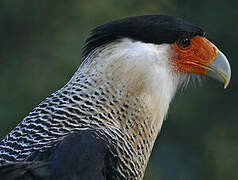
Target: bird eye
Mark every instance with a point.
(184, 42)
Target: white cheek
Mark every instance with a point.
(128, 61)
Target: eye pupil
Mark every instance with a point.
(184, 42)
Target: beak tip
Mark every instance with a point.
(220, 69)
(227, 81)
(225, 86)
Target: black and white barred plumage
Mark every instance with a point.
(103, 123)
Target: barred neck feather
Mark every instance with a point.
(122, 89)
(141, 69)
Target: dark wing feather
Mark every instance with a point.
(24, 171)
(80, 155)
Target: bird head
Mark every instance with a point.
(165, 41)
(199, 56)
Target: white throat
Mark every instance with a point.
(142, 69)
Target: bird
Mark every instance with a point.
(102, 124)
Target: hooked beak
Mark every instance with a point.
(220, 69)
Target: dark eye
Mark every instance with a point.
(184, 42)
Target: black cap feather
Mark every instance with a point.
(155, 29)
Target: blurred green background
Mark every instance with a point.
(40, 47)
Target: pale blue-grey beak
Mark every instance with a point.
(220, 69)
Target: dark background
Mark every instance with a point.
(40, 49)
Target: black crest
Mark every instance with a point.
(155, 29)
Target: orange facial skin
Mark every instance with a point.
(194, 58)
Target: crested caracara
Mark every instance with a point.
(103, 123)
